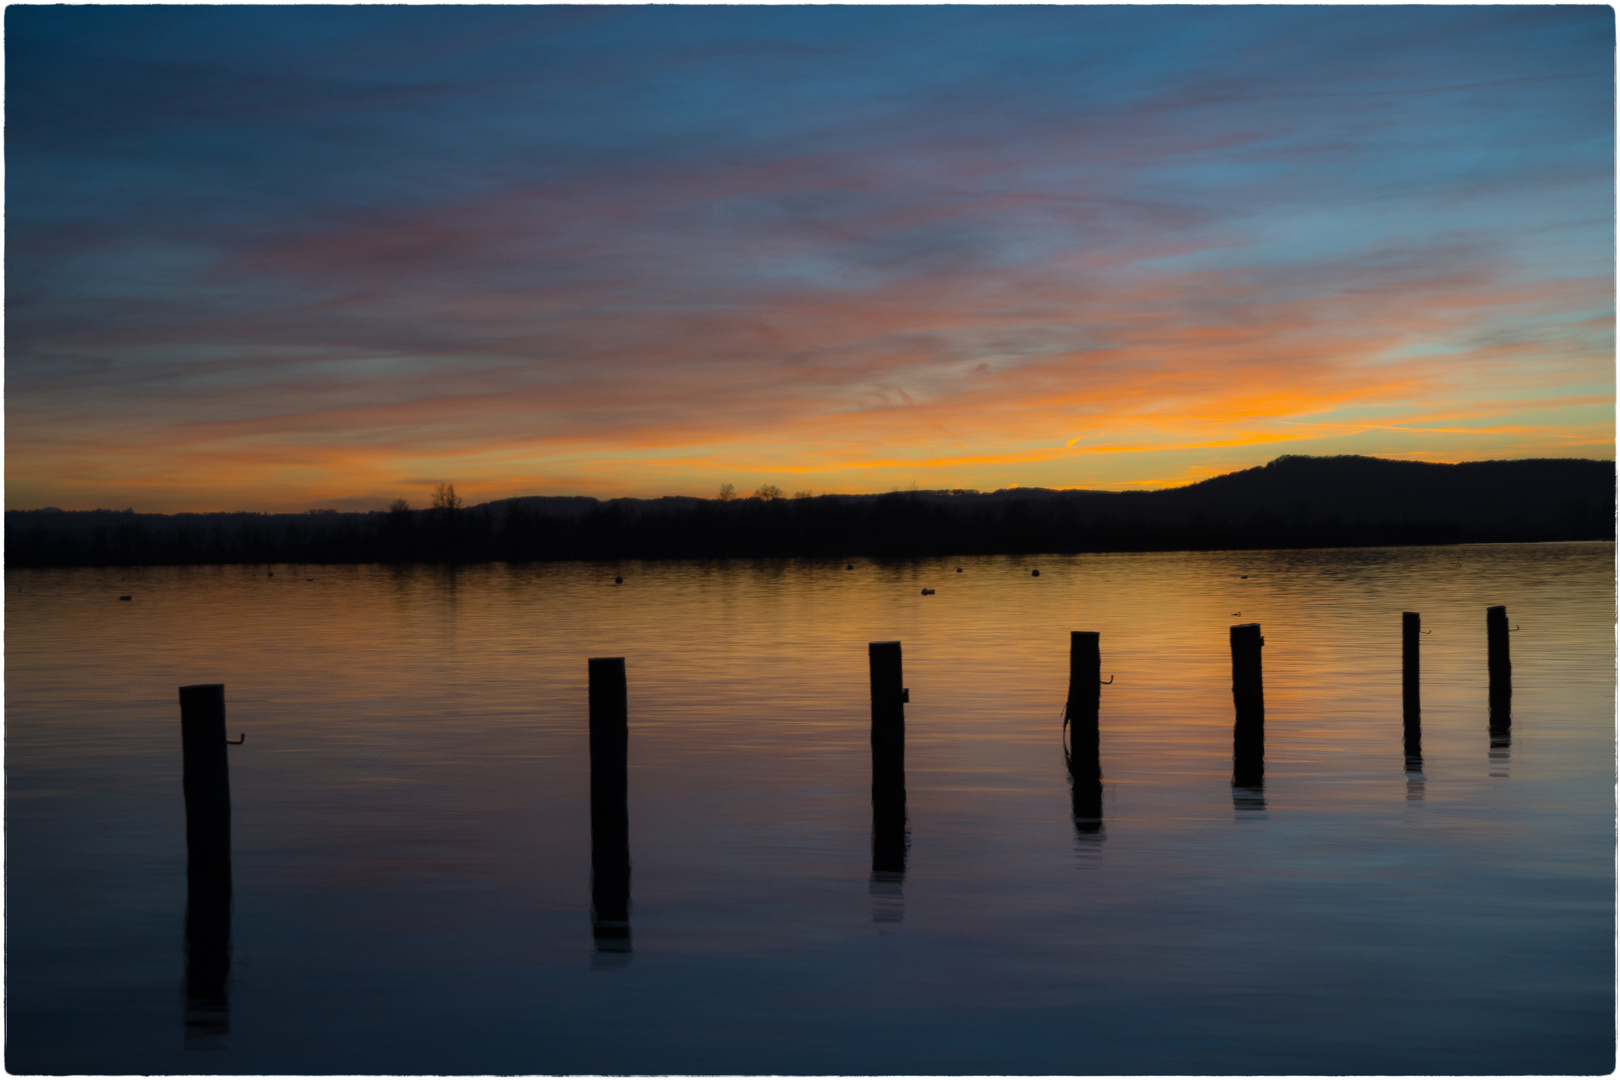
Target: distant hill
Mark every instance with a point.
(1511, 495)
(1294, 501)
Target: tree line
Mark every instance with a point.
(1291, 503)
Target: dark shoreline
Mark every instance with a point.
(1294, 502)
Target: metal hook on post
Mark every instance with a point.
(238, 741)
(1110, 681)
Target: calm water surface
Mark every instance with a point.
(412, 843)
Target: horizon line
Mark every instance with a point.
(782, 496)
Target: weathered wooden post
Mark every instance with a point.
(1501, 672)
(1411, 628)
(1085, 682)
(1411, 706)
(888, 696)
(1082, 709)
(205, 775)
(1248, 699)
(1496, 645)
(889, 837)
(610, 811)
(1496, 642)
(205, 780)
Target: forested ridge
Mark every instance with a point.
(1294, 501)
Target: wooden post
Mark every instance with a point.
(1248, 698)
(1496, 643)
(1411, 627)
(1411, 705)
(888, 695)
(1501, 672)
(205, 774)
(205, 780)
(1085, 683)
(888, 726)
(610, 811)
(889, 835)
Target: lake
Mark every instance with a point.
(411, 844)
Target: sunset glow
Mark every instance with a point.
(283, 258)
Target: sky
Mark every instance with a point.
(283, 258)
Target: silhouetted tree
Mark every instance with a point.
(445, 497)
(1293, 502)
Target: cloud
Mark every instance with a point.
(769, 245)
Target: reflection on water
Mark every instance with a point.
(891, 839)
(1414, 780)
(429, 786)
(1085, 792)
(1412, 743)
(1501, 729)
(208, 954)
(1500, 754)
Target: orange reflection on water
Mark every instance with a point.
(748, 681)
(412, 800)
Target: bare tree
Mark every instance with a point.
(399, 506)
(767, 492)
(801, 494)
(445, 497)
(727, 493)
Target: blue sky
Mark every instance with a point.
(279, 257)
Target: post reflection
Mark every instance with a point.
(1412, 744)
(208, 949)
(1085, 792)
(1415, 780)
(1501, 742)
(891, 840)
(610, 891)
(1248, 779)
(891, 835)
(1501, 724)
